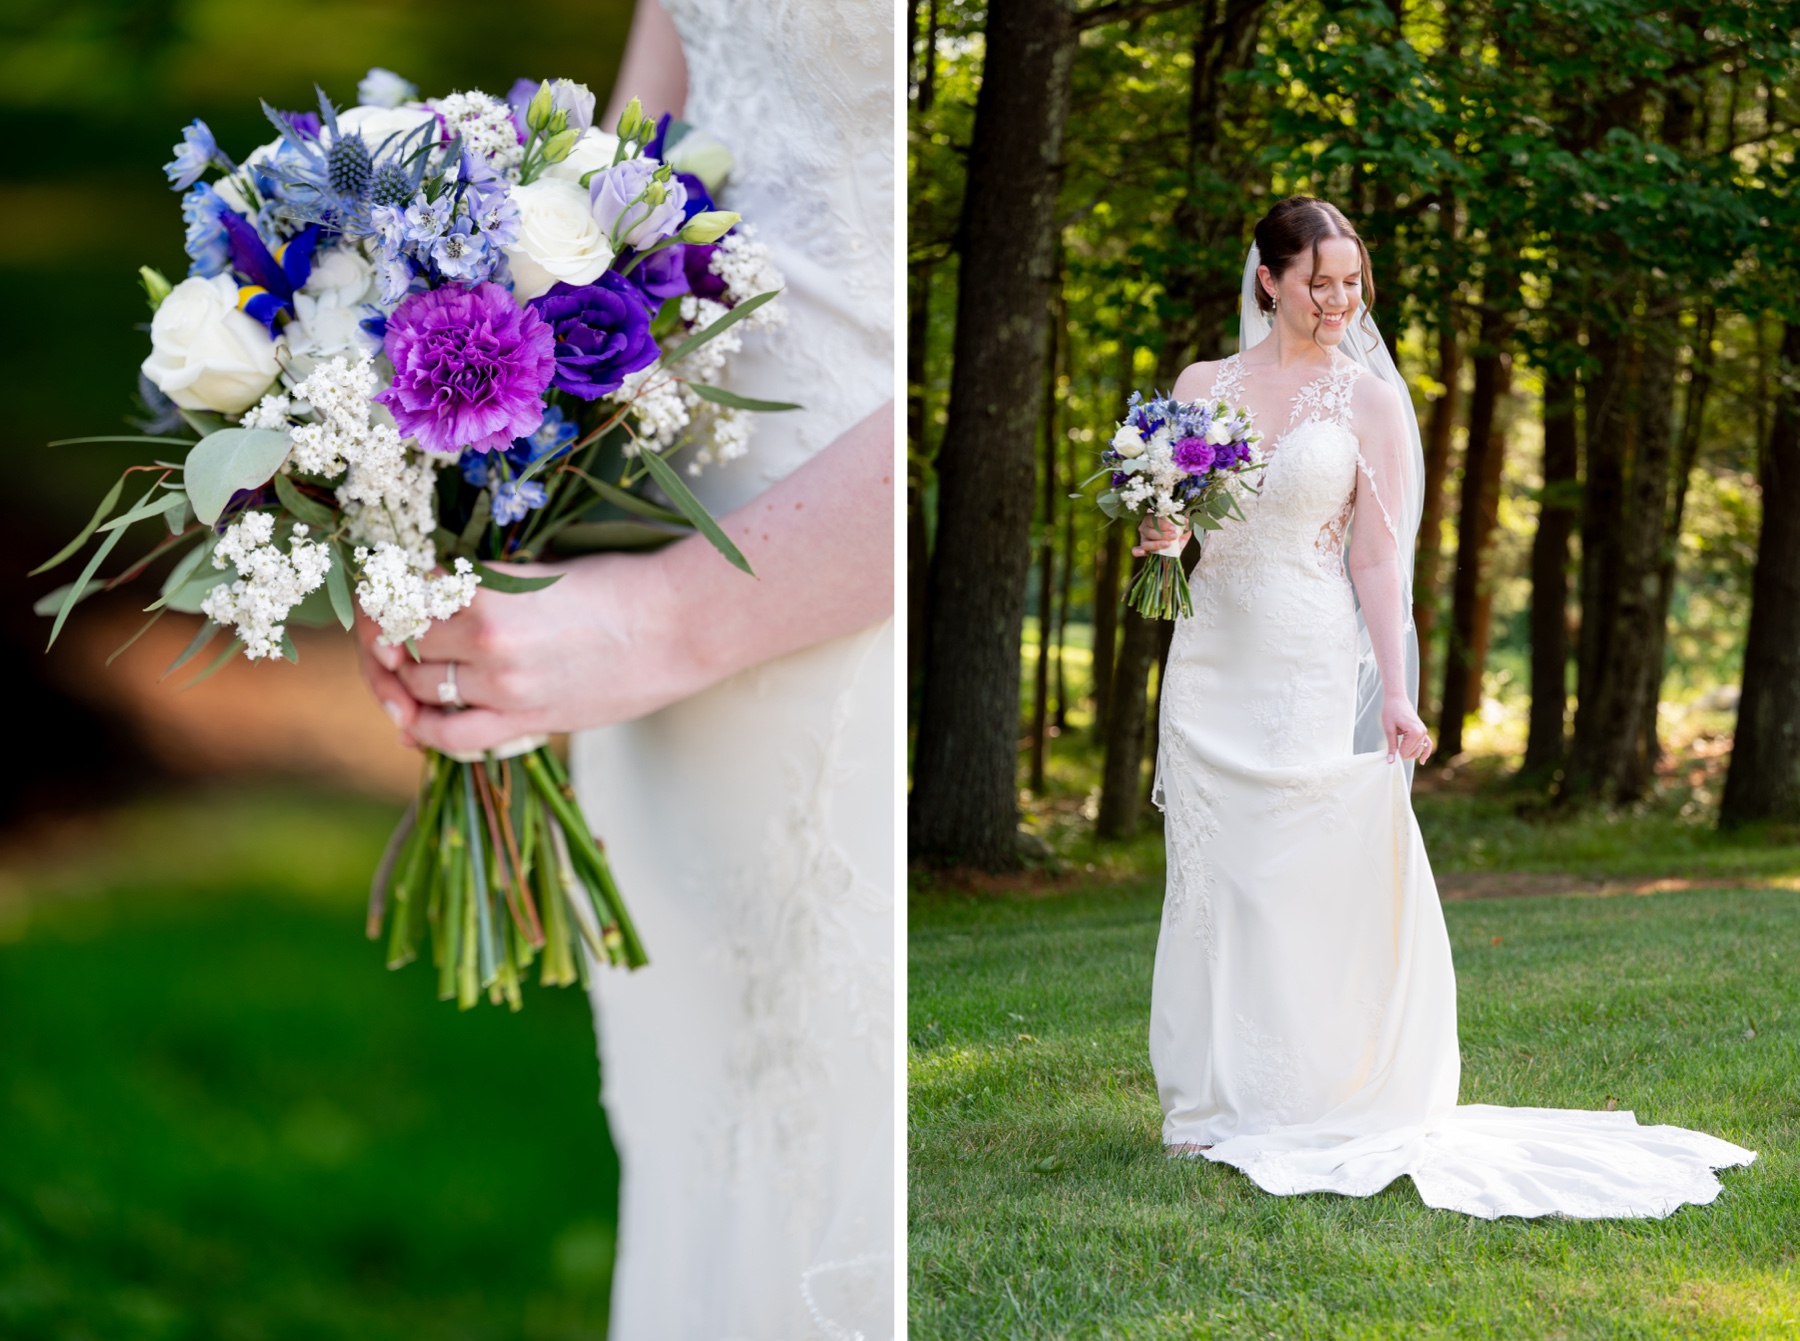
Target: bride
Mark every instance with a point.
(742, 769)
(1303, 1010)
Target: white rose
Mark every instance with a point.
(595, 149)
(1219, 434)
(558, 239)
(343, 273)
(702, 154)
(1128, 442)
(204, 353)
(376, 124)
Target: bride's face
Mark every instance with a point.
(1327, 298)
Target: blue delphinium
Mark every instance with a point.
(513, 499)
(206, 240)
(552, 438)
(196, 152)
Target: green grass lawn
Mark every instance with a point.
(1041, 1206)
(220, 1116)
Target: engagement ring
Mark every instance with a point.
(447, 694)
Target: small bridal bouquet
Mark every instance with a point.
(418, 337)
(1185, 461)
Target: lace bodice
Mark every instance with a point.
(803, 93)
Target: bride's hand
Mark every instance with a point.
(1156, 533)
(1406, 734)
(602, 645)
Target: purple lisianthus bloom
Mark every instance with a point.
(470, 368)
(661, 275)
(696, 259)
(699, 198)
(1194, 456)
(1228, 454)
(518, 98)
(1120, 478)
(602, 333)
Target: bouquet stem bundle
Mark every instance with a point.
(495, 860)
(1161, 590)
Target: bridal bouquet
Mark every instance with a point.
(1184, 461)
(418, 337)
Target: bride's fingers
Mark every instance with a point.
(473, 729)
(475, 684)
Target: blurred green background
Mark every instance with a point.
(219, 1115)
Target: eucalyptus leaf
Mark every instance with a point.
(202, 422)
(683, 498)
(121, 649)
(731, 318)
(187, 597)
(217, 665)
(314, 610)
(579, 537)
(231, 459)
(337, 586)
(512, 583)
(720, 396)
(303, 507)
(202, 636)
(79, 588)
(51, 601)
(627, 501)
(288, 649)
(155, 508)
(106, 505)
(478, 520)
(121, 437)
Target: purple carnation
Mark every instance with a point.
(470, 368)
(602, 333)
(1194, 456)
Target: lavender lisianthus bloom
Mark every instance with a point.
(622, 199)
(470, 368)
(602, 333)
(1194, 456)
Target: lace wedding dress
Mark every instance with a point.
(748, 1072)
(1303, 1012)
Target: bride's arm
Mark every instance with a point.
(652, 70)
(624, 634)
(1375, 560)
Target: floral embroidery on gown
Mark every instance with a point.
(748, 1073)
(1303, 1011)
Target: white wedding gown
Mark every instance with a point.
(748, 1072)
(1303, 1012)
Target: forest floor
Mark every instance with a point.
(224, 1117)
(1632, 958)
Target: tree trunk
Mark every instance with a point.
(1763, 782)
(1636, 644)
(1109, 563)
(1608, 443)
(1481, 630)
(1120, 790)
(1040, 702)
(1546, 740)
(1072, 473)
(1481, 463)
(1427, 562)
(964, 804)
(917, 418)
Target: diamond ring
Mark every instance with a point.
(446, 690)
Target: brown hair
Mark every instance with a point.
(1298, 224)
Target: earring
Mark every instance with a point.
(1274, 302)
